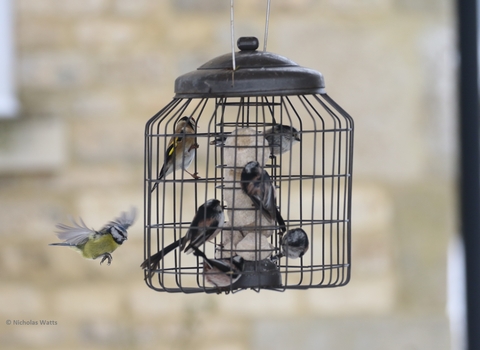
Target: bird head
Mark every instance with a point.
(119, 234)
(187, 121)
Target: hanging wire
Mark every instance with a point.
(232, 32)
(267, 18)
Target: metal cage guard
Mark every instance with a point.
(312, 181)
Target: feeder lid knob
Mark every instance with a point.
(247, 43)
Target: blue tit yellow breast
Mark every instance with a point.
(97, 246)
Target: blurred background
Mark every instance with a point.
(87, 75)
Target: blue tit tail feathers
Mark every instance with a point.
(64, 244)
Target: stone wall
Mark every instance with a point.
(91, 73)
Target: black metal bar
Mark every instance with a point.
(470, 161)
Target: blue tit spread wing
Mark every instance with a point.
(125, 220)
(77, 234)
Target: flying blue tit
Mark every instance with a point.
(294, 243)
(180, 151)
(256, 184)
(281, 138)
(94, 244)
(221, 272)
(206, 224)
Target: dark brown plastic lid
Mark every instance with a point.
(258, 73)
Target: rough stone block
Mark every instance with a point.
(256, 305)
(87, 301)
(55, 70)
(364, 333)
(64, 8)
(366, 297)
(21, 301)
(32, 145)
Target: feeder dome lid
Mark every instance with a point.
(258, 73)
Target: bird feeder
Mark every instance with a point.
(235, 112)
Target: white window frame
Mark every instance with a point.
(9, 105)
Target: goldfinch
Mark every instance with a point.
(181, 148)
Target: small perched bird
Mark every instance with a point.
(294, 243)
(94, 244)
(221, 272)
(256, 184)
(219, 140)
(180, 150)
(205, 225)
(281, 138)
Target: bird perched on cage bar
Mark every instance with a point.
(206, 224)
(281, 138)
(94, 244)
(221, 272)
(257, 185)
(180, 151)
(294, 243)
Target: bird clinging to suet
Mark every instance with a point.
(221, 272)
(180, 151)
(294, 243)
(281, 138)
(94, 244)
(205, 225)
(256, 184)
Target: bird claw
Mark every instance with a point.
(105, 257)
(275, 258)
(195, 176)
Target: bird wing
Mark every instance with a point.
(172, 145)
(77, 234)
(269, 200)
(201, 232)
(125, 220)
